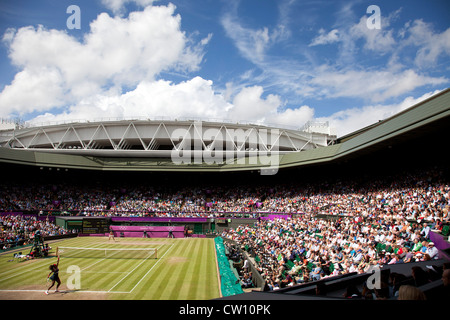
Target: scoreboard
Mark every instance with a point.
(95, 225)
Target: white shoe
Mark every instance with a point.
(46, 291)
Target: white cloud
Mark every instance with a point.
(117, 52)
(252, 43)
(349, 73)
(66, 79)
(378, 40)
(194, 98)
(206, 40)
(118, 6)
(372, 85)
(430, 45)
(248, 104)
(350, 120)
(150, 99)
(296, 117)
(32, 90)
(325, 38)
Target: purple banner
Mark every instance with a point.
(147, 228)
(162, 219)
(11, 213)
(151, 231)
(275, 216)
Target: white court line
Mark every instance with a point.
(91, 291)
(137, 267)
(93, 264)
(61, 291)
(152, 268)
(39, 264)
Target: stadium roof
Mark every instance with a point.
(192, 146)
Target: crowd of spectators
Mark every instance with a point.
(241, 264)
(370, 222)
(20, 230)
(306, 248)
(378, 223)
(120, 200)
(422, 196)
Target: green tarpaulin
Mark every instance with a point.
(230, 284)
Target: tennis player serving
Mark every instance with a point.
(54, 276)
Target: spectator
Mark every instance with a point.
(446, 288)
(20, 229)
(352, 292)
(295, 269)
(316, 272)
(417, 245)
(409, 256)
(420, 276)
(246, 281)
(394, 259)
(446, 278)
(395, 281)
(321, 289)
(408, 292)
(432, 251)
(425, 231)
(381, 293)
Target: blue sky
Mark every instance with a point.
(280, 62)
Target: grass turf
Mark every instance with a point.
(186, 269)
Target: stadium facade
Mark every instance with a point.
(192, 146)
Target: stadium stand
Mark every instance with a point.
(20, 230)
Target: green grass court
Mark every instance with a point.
(185, 269)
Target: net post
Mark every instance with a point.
(156, 253)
